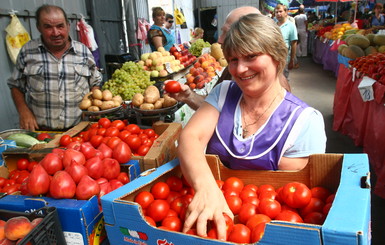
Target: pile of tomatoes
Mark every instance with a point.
(372, 65)
(165, 205)
(112, 132)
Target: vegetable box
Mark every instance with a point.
(81, 220)
(347, 222)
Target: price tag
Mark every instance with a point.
(338, 41)
(325, 40)
(332, 43)
(354, 74)
(366, 88)
(206, 50)
(168, 67)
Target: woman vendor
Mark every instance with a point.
(158, 36)
(251, 122)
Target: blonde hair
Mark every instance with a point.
(256, 33)
(198, 31)
(156, 11)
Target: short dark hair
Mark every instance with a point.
(169, 16)
(48, 8)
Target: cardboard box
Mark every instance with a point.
(81, 220)
(164, 148)
(347, 222)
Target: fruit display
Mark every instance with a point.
(202, 72)
(183, 55)
(98, 100)
(165, 205)
(372, 65)
(151, 99)
(128, 80)
(160, 63)
(357, 45)
(197, 47)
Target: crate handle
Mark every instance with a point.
(147, 172)
(365, 181)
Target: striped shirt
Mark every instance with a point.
(54, 87)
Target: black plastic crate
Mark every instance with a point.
(48, 231)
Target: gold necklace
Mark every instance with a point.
(244, 129)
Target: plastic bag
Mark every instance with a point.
(86, 34)
(16, 37)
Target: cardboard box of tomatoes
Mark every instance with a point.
(347, 222)
(81, 220)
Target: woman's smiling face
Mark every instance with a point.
(253, 72)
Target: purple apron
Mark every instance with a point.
(261, 151)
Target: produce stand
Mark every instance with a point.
(362, 121)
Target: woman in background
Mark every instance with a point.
(158, 36)
(198, 34)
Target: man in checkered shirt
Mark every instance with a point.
(52, 75)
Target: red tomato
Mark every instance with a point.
(326, 208)
(85, 135)
(171, 213)
(124, 134)
(2, 181)
(247, 210)
(233, 183)
(235, 204)
(104, 122)
(258, 232)
(172, 196)
(269, 207)
(31, 165)
(268, 194)
(150, 220)
(330, 198)
(147, 142)
(95, 125)
(133, 128)
(172, 223)
(11, 189)
(175, 183)
(160, 190)
(212, 233)
(290, 216)
(251, 187)
(315, 205)
(43, 136)
(320, 192)
(119, 124)
(245, 193)
(92, 132)
(113, 141)
(143, 149)
(240, 234)
(220, 183)
(158, 210)
(96, 140)
(112, 131)
(133, 142)
(77, 139)
(172, 87)
(252, 200)
(264, 188)
(123, 177)
(178, 204)
(121, 152)
(144, 199)
(296, 195)
(22, 164)
(149, 132)
(192, 231)
(256, 219)
(65, 140)
(101, 131)
(314, 218)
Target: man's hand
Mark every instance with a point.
(27, 120)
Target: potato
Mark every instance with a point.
(168, 101)
(93, 108)
(107, 95)
(107, 105)
(118, 98)
(97, 102)
(84, 104)
(97, 94)
(137, 99)
(159, 103)
(151, 94)
(147, 106)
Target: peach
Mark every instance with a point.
(36, 221)
(192, 85)
(5, 241)
(17, 227)
(190, 79)
(205, 64)
(198, 79)
(2, 224)
(197, 64)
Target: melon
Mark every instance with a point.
(381, 49)
(341, 48)
(353, 52)
(358, 40)
(370, 36)
(379, 39)
(370, 50)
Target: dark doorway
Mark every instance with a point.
(206, 16)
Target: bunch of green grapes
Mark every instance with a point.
(197, 46)
(128, 80)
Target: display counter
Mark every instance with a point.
(362, 121)
(322, 54)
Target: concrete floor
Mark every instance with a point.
(316, 87)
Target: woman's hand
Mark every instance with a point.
(186, 95)
(208, 204)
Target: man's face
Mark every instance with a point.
(169, 23)
(280, 14)
(54, 29)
